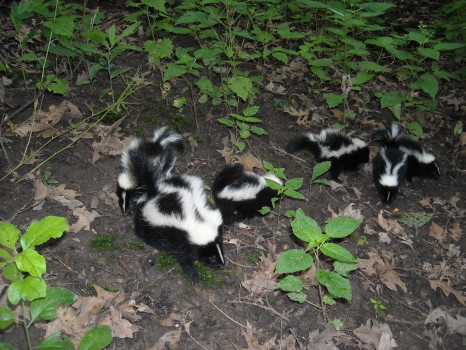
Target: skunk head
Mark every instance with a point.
(388, 136)
(388, 187)
(389, 168)
(212, 253)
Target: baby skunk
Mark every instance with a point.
(345, 153)
(143, 162)
(239, 194)
(420, 162)
(389, 166)
(180, 220)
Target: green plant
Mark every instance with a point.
(319, 170)
(105, 242)
(135, 245)
(379, 307)
(22, 270)
(48, 178)
(319, 243)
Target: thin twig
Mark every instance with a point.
(238, 264)
(224, 314)
(282, 151)
(268, 308)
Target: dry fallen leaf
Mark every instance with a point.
(275, 88)
(249, 161)
(376, 334)
(456, 231)
(171, 337)
(454, 324)
(438, 233)
(85, 218)
(446, 287)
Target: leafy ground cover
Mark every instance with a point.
(328, 265)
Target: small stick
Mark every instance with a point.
(238, 264)
(224, 314)
(282, 151)
(268, 308)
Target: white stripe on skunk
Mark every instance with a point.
(180, 220)
(143, 162)
(345, 153)
(239, 194)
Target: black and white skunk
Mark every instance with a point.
(143, 162)
(398, 158)
(345, 153)
(239, 194)
(390, 164)
(180, 220)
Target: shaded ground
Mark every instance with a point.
(412, 271)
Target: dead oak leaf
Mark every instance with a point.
(85, 218)
(275, 88)
(456, 231)
(436, 231)
(121, 328)
(377, 334)
(454, 324)
(249, 161)
(447, 289)
(171, 338)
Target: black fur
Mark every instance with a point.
(420, 162)
(346, 153)
(237, 179)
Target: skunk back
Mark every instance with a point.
(239, 194)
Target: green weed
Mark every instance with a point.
(135, 245)
(105, 242)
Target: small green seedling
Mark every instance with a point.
(48, 179)
(105, 242)
(379, 307)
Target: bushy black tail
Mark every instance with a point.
(388, 136)
(308, 142)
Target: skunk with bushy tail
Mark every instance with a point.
(180, 220)
(345, 153)
(143, 163)
(240, 194)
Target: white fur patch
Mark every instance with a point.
(391, 176)
(355, 144)
(389, 180)
(125, 181)
(422, 157)
(125, 158)
(172, 138)
(247, 191)
(201, 231)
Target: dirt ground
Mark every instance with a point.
(417, 273)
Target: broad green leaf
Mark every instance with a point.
(362, 77)
(285, 32)
(226, 122)
(112, 35)
(415, 128)
(6, 317)
(429, 53)
(5, 257)
(56, 341)
(191, 17)
(119, 71)
(321, 73)
(416, 219)
(334, 100)
(337, 324)
(9, 234)
(239, 145)
(427, 83)
(321, 182)
(320, 169)
(252, 120)
(417, 36)
(448, 46)
(372, 66)
(293, 260)
(299, 297)
(290, 284)
(41, 231)
(341, 227)
(97, 338)
(128, 31)
(458, 128)
(273, 184)
(396, 110)
(264, 210)
(31, 261)
(305, 228)
(241, 86)
(390, 99)
(11, 272)
(328, 299)
(63, 25)
(344, 268)
(337, 252)
(6, 346)
(30, 288)
(207, 53)
(258, 131)
(174, 70)
(339, 286)
(377, 8)
(244, 134)
(161, 48)
(294, 184)
(179, 102)
(280, 56)
(45, 308)
(400, 54)
(293, 194)
(250, 111)
(206, 86)
(155, 4)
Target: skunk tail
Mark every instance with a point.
(307, 141)
(166, 138)
(388, 136)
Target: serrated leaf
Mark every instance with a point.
(62, 25)
(305, 228)
(45, 308)
(250, 111)
(285, 32)
(155, 4)
(56, 341)
(372, 66)
(293, 194)
(264, 210)
(418, 37)
(174, 70)
(341, 227)
(337, 285)
(320, 169)
(280, 56)
(294, 184)
(334, 100)
(416, 219)
(6, 317)
(299, 297)
(429, 53)
(337, 252)
(344, 268)
(30, 288)
(9, 234)
(427, 83)
(191, 17)
(448, 46)
(323, 62)
(291, 284)
(31, 261)
(273, 184)
(97, 338)
(390, 99)
(361, 78)
(241, 86)
(41, 231)
(293, 260)
(226, 122)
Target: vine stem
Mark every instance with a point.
(26, 327)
